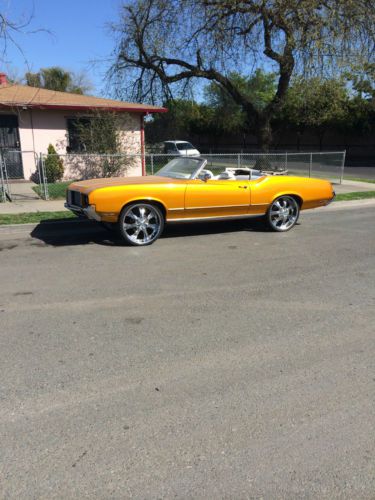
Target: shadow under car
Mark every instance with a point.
(84, 232)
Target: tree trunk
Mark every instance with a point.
(264, 133)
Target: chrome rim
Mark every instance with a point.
(141, 224)
(284, 213)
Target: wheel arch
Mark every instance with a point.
(149, 201)
(296, 196)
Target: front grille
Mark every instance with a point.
(77, 199)
(74, 198)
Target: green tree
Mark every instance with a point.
(155, 53)
(33, 79)
(217, 115)
(184, 117)
(360, 118)
(56, 78)
(315, 104)
(362, 78)
(229, 116)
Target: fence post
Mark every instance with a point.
(286, 160)
(238, 160)
(6, 192)
(342, 167)
(43, 177)
(310, 165)
(152, 163)
(2, 185)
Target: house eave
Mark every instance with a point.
(25, 106)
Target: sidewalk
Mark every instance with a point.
(37, 205)
(353, 186)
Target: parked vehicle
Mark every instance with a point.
(188, 189)
(181, 148)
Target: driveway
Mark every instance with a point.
(221, 362)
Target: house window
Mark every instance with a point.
(75, 142)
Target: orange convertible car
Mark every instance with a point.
(186, 189)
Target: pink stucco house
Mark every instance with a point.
(32, 118)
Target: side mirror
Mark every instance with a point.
(205, 177)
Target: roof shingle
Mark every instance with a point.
(32, 97)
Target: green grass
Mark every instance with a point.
(359, 179)
(56, 191)
(361, 195)
(31, 217)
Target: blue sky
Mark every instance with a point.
(79, 36)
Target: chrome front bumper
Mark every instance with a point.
(333, 197)
(88, 212)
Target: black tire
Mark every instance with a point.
(282, 214)
(140, 223)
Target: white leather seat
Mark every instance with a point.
(226, 176)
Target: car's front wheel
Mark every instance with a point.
(283, 213)
(140, 224)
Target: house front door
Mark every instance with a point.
(10, 146)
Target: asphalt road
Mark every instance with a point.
(221, 362)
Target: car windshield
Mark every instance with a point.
(181, 168)
(183, 146)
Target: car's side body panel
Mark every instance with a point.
(197, 199)
(216, 198)
(312, 192)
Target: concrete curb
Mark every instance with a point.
(86, 225)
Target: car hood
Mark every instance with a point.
(91, 184)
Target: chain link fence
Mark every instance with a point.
(51, 174)
(327, 165)
(16, 168)
(75, 167)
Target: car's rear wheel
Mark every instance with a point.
(140, 224)
(283, 213)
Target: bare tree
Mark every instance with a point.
(165, 44)
(11, 29)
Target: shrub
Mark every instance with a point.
(100, 144)
(54, 166)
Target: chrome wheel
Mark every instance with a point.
(283, 213)
(141, 223)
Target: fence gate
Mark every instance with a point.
(12, 189)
